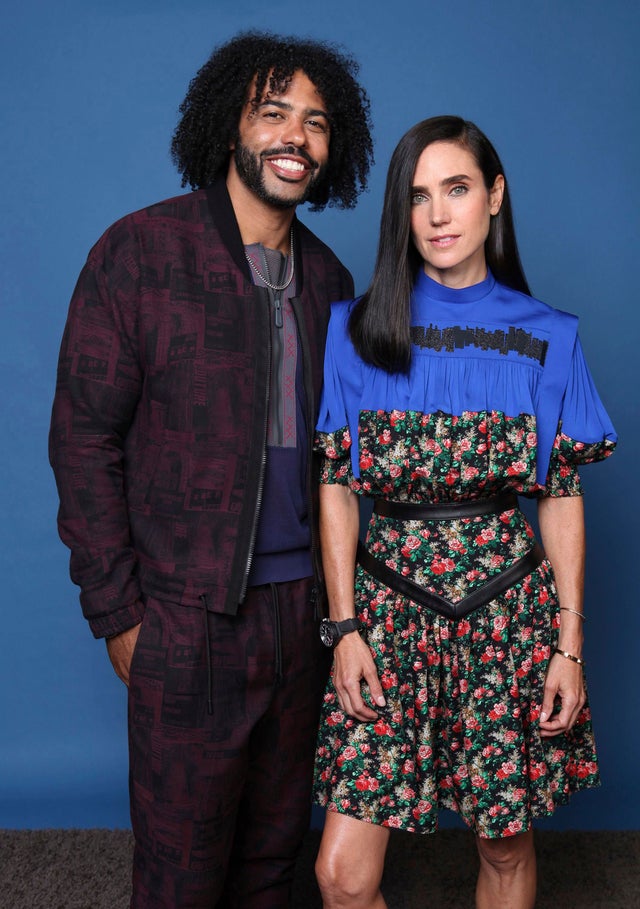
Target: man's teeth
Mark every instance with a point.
(288, 164)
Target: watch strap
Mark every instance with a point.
(346, 626)
(331, 632)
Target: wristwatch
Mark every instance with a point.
(331, 632)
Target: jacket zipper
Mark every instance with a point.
(309, 398)
(263, 464)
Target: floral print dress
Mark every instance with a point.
(463, 698)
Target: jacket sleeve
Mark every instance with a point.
(98, 387)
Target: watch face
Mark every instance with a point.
(327, 632)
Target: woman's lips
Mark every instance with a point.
(444, 241)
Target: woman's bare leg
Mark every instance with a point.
(350, 863)
(507, 878)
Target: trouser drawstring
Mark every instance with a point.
(277, 633)
(207, 647)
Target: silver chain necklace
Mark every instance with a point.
(292, 267)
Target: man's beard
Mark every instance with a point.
(250, 168)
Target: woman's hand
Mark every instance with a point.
(561, 522)
(352, 660)
(564, 682)
(353, 663)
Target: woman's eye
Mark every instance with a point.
(418, 198)
(459, 190)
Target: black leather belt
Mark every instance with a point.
(458, 610)
(448, 511)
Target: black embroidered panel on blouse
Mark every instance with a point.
(514, 339)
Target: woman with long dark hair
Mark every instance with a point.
(458, 672)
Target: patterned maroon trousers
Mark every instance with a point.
(220, 800)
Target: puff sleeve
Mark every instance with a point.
(585, 432)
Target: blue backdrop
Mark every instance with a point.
(91, 92)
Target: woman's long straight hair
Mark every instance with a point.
(379, 325)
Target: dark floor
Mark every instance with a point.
(89, 869)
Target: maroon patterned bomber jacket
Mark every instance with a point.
(158, 428)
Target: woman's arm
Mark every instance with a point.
(352, 661)
(561, 520)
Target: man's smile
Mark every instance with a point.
(290, 165)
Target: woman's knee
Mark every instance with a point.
(339, 882)
(344, 880)
(507, 855)
(350, 861)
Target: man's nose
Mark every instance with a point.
(294, 132)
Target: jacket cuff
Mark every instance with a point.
(108, 626)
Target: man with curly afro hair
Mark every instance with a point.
(182, 444)
(257, 65)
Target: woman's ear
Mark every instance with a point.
(495, 194)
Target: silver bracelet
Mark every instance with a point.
(574, 611)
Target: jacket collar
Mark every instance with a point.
(223, 215)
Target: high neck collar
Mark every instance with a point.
(428, 287)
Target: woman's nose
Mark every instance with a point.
(439, 213)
